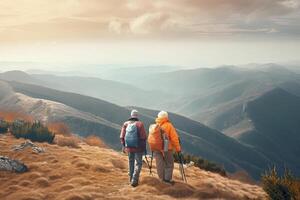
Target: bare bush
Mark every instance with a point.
(63, 141)
(93, 140)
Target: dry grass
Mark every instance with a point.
(93, 140)
(64, 141)
(59, 128)
(90, 172)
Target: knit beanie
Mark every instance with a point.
(163, 114)
(134, 113)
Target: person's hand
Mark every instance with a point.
(180, 154)
(123, 150)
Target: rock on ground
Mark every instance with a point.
(26, 144)
(7, 164)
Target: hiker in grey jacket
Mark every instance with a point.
(133, 138)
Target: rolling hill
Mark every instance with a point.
(49, 111)
(112, 91)
(196, 138)
(275, 117)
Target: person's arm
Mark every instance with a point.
(174, 139)
(122, 134)
(142, 135)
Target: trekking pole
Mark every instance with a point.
(181, 167)
(149, 165)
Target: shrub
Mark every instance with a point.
(93, 140)
(63, 141)
(59, 128)
(3, 126)
(281, 187)
(202, 163)
(35, 131)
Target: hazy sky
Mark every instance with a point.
(172, 32)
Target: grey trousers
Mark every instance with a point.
(135, 166)
(164, 165)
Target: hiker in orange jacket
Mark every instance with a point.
(165, 162)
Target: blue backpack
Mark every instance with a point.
(131, 136)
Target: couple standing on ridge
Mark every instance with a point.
(133, 138)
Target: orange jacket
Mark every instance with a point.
(171, 133)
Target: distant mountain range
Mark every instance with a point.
(86, 115)
(252, 111)
(217, 97)
(112, 91)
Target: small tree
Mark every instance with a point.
(281, 187)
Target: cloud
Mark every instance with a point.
(294, 4)
(150, 23)
(116, 26)
(33, 19)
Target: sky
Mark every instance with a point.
(146, 32)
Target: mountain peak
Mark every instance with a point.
(16, 72)
(17, 75)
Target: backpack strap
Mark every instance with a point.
(134, 122)
(151, 162)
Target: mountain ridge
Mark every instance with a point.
(200, 139)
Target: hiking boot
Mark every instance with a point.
(134, 183)
(169, 182)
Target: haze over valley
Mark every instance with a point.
(216, 108)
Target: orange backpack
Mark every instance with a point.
(156, 138)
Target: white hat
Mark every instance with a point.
(163, 114)
(134, 113)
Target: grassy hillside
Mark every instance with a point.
(90, 172)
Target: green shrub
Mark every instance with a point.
(36, 132)
(3, 126)
(278, 187)
(201, 163)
